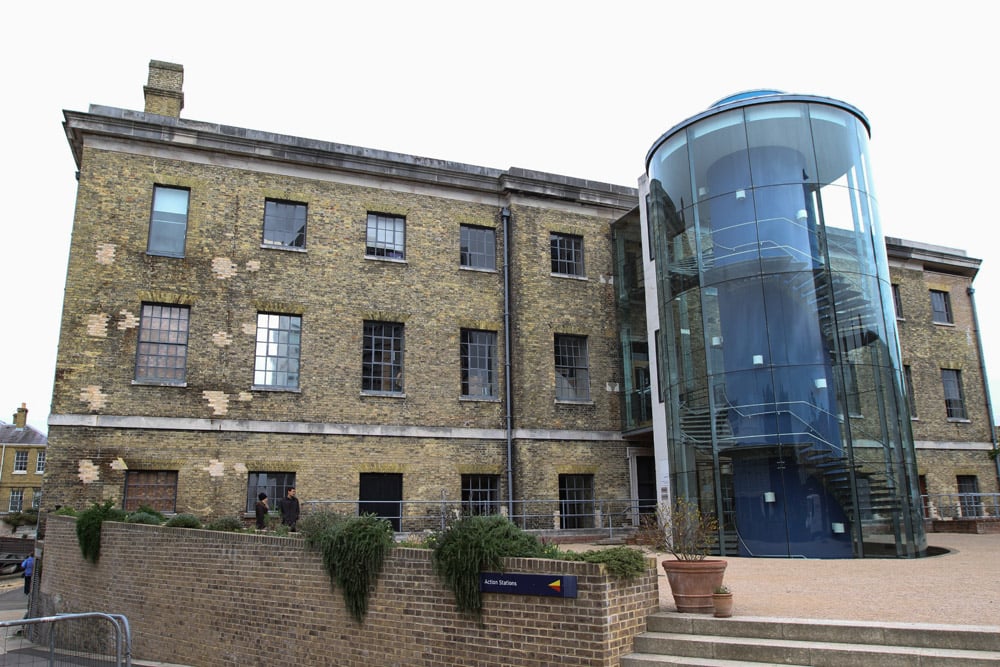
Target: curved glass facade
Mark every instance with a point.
(782, 377)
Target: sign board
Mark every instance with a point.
(552, 585)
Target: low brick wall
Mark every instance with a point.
(207, 598)
(989, 526)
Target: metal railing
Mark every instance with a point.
(90, 638)
(961, 505)
(546, 516)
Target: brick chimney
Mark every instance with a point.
(164, 90)
(21, 416)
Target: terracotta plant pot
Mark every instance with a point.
(723, 604)
(693, 582)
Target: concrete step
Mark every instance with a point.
(691, 639)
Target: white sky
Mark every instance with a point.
(575, 88)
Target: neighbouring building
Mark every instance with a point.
(247, 311)
(22, 464)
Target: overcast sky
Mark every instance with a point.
(575, 88)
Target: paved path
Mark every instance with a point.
(960, 587)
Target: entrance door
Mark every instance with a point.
(381, 494)
(645, 484)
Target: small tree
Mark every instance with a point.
(688, 533)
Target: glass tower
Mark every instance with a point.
(778, 353)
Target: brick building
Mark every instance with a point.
(247, 311)
(22, 464)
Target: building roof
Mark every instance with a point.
(12, 435)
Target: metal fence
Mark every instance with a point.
(88, 639)
(962, 506)
(610, 516)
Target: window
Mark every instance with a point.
(20, 461)
(572, 374)
(36, 498)
(480, 494)
(168, 222)
(970, 500)
(276, 358)
(567, 254)
(954, 400)
(478, 248)
(478, 354)
(156, 489)
(897, 301)
(852, 389)
(911, 396)
(576, 501)
(161, 354)
(16, 500)
(284, 224)
(382, 357)
(941, 307)
(40, 462)
(274, 484)
(386, 236)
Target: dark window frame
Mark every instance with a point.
(162, 345)
(285, 224)
(941, 312)
(277, 352)
(954, 394)
(897, 301)
(156, 489)
(572, 367)
(378, 229)
(478, 354)
(480, 495)
(165, 225)
(478, 248)
(381, 375)
(274, 483)
(567, 254)
(911, 395)
(577, 501)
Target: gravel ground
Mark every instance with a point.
(960, 587)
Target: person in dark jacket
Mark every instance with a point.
(289, 506)
(260, 509)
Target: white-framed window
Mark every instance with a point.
(567, 254)
(40, 462)
(21, 461)
(386, 236)
(478, 248)
(16, 500)
(276, 357)
(168, 221)
(36, 498)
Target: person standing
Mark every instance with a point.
(289, 506)
(260, 510)
(29, 569)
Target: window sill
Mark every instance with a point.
(569, 401)
(944, 324)
(570, 276)
(164, 254)
(478, 269)
(278, 246)
(391, 260)
(384, 394)
(479, 399)
(152, 383)
(959, 420)
(20, 472)
(262, 387)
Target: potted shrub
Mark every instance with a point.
(722, 601)
(689, 535)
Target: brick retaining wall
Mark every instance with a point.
(208, 598)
